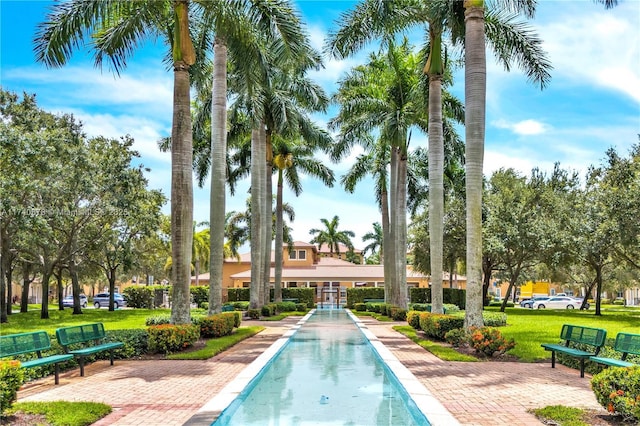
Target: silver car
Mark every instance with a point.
(557, 302)
(528, 303)
(67, 302)
(102, 299)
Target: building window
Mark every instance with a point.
(292, 255)
(302, 254)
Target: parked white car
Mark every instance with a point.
(557, 302)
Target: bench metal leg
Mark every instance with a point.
(81, 361)
(553, 359)
(111, 356)
(581, 367)
(57, 367)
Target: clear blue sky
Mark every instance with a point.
(592, 103)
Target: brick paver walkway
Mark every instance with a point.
(164, 393)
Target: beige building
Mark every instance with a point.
(306, 266)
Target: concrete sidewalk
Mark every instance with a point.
(164, 393)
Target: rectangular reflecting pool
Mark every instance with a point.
(326, 374)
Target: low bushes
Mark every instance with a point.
(437, 325)
(489, 340)
(217, 325)
(11, 378)
(168, 338)
(618, 390)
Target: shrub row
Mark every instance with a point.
(304, 295)
(169, 338)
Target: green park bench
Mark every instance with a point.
(574, 334)
(32, 343)
(228, 308)
(626, 343)
(74, 341)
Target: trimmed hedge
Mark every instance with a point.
(358, 295)
(304, 295)
(451, 296)
(139, 296)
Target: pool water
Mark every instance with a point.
(327, 374)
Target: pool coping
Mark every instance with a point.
(435, 412)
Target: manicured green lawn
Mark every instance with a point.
(532, 327)
(121, 319)
(63, 413)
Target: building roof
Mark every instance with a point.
(343, 249)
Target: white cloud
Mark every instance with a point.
(145, 131)
(601, 47)
(87, 86)
(524, 127)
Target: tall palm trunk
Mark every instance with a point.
(267, 225)
(218, 174)
(277, 290)
(387, 246)
(401, 232)
(181, 168)
(393, 213)
(475, 102)
(258, 187)
(436, 185)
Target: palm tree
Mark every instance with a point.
(200, 251)
(535, 63)
(386, 95)
(373, 18)
(116, 28)
(331, 236)
(291, 158)
(377, 242)
(237, 30)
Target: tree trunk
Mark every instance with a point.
(598, 269)
(111, 274)
(277, 290)
(267, 225)
(436, 191)
(391, 253)
(401, 232)
(3, 300)
(181, 196)
(44, 307)
(258, 189)
(8, 273)
(387, 257)
(59, 289)
(75, 289)
(218, 175)
(26, 282)
(475, 101)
